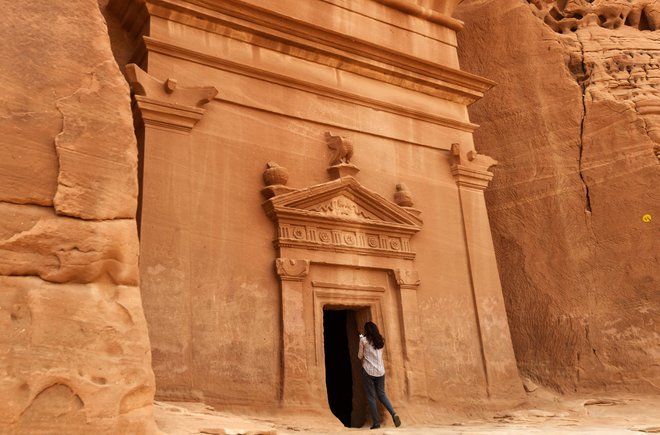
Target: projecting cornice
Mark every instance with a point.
(264, 28)
(430, 14)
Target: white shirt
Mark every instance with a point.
(372, 358)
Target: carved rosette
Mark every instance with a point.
(291, 270)
(343, 240)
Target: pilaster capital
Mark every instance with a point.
(470, 169)
(407, 278)
(164, 104)
(291, 270)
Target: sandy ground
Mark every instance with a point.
(543, 413)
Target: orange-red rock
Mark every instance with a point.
(75, 354)
(572, 122)
(340, 103)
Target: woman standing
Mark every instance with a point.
(373, 372)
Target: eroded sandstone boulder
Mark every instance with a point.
(74, 349)
(573, 122)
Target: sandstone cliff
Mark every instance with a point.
(75, 352)
(574, 125)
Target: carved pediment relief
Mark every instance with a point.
(343, 199)
(342, 215)
(344, 207)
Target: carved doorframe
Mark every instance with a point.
(341, 223)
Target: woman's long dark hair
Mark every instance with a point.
(372, 334)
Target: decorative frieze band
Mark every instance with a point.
(314, 237)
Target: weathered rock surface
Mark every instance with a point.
(74, 349)
(573, 123)
(75, 358)
(35, 241)
(59, 85)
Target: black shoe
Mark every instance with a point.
(397, 420)
(375, 426)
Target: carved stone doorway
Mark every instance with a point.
(342, 247)
(346, 396)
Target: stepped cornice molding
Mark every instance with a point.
(267, 29)
(172, 49)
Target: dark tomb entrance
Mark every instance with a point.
(343, 380)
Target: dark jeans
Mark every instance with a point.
(375, 386)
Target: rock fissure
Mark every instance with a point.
(597, 264)
(582, 81)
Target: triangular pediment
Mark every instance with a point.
(346, 200)
(342, 216)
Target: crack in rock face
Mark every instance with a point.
(577, 105)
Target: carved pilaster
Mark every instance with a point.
(164, 104)
(408, 281)
(295, 386)
(470, 169)
(405, 278)
(472, 177)
(291, 270)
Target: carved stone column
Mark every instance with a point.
(165, 114)
(408, 282)
(295, 388)
(472, 177)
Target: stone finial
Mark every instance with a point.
(402, 196)
(275, 174)
(340, 165)
(342, 147)
(275, 178)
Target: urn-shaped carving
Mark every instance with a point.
(402, 196)
(275, 174)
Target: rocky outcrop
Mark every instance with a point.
(75, 351)
(574, 125)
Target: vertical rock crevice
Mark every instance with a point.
(582, 81)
